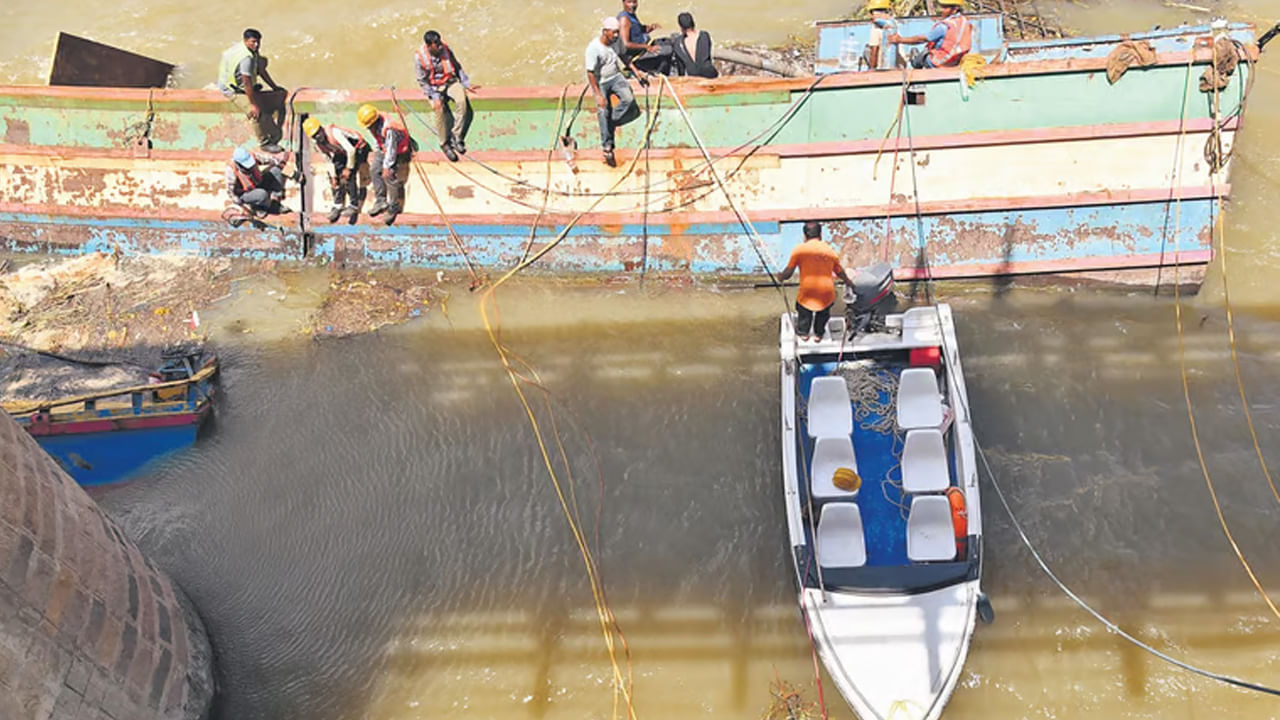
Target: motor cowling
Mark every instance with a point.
(870, 298)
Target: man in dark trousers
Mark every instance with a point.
(238, 74)
(819, 265)
(604, 75)
(692, 49)
(390, 162)
(350, 156)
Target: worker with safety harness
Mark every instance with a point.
(255, 182)
(350, 155)
(947, 41)
(238, 74)
(390, 164)
(443, 80)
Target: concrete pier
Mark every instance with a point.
(89, 627)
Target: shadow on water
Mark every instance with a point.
(370, 532)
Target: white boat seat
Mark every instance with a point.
(930, 535)
(841, 542)
(919, 402)
(830, 412)
(829, 454)
(924, 462)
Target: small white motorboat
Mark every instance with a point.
(882, 501)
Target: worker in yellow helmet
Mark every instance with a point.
(881, 54)
(349, 153)
(947, 42)
(238, 74)
(389, 168)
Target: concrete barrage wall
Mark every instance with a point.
(89, 627)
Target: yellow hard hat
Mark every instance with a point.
(846, 479)
(310, 126)
(880, 5)
(952, 3)
(367, 115)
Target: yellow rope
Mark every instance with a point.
(1182, 358)
(608, 621)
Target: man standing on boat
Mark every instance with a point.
(350, 156)
(443, 80)
(238, 74)
(947, 41)
(390, 166)
(819, 264)
(604, 75)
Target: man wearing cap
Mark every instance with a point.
(256, 181)
(947, 41)
(604, 75)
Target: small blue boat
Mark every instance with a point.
(104, 437)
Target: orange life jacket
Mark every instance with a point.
(959, 517)
(331, 134)
(402, 142)
(954, 45)
(248, 179)
(440, 70)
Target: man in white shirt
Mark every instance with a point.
(604, 75)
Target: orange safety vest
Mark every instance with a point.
(440, 70)
(402, 144)
(954, 45)
(248, 181)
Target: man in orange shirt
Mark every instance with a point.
(819, 264)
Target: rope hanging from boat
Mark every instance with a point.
(476, 281)
(1218, 223)
(963, 411)
(1035, 554)
(1186, 392)
(609, 626)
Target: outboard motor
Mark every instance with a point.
(870, 299)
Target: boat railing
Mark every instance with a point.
(188, 391)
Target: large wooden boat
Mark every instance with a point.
(1043, 165)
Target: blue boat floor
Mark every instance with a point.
(881, 501)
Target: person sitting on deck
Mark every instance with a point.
(442, 79)
(390, 168)
(251, 186)
(238, 74)
(818, 263)
(880, 53)
(350, 156)
(691, 49)
(947, 41)
(635, 45)
(604, 75)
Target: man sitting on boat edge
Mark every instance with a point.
(946, 43)
(819, 264)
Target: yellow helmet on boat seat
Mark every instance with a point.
(367, 115)
(846, 479)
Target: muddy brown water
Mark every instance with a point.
(369, 532)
